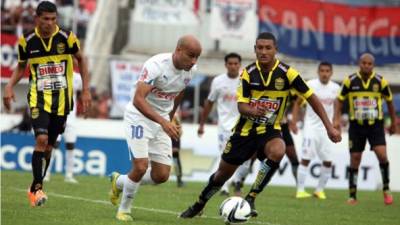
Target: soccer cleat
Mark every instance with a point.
(180, 183)
(195, 210)
(123, 216)
(114, 192)
(320, 195)
(253, 212)
(352, 201)
(71, 180)
(302, 194)
(387, 198)
(37, 198)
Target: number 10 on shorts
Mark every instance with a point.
(137, 132)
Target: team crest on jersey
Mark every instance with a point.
(60, 48)
(375, 87)
(35, 113)
(279, 83)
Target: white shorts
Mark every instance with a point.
(223, 138)
(147, 139)
(69, 134)
(316, 142)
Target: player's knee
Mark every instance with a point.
(42, 140)
(160, 177)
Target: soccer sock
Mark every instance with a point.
(128, 193)
(178, 166)
(301, 177)
(295, 166)
(385, 175)
(211, 188)
(323, 178)
(37, 170)
(69, 164)
(353, 176)
(120, 181)
(267, 170)
(146, 179)
(47, 159)
(242, 172)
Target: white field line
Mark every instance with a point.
(77, 198)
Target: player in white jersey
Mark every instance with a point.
(69, 136)
(223, 92)
(315, 139)
(147, 120)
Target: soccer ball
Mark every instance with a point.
(235, 210)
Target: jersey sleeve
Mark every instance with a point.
(344, 90)
(243, 91)
(213, 95)
(73, 43)
(149, 73)
(22, 53)
(385, 90)
(297, 84)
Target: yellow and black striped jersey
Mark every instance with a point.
(269, 90)
(51, 69)
(365, 98)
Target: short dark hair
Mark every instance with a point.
(232, 55)
(325, 63)
(46, 6)
(267, 36)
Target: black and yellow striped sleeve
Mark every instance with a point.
(298, 84)
(344, 90)
(73, 43)
(22, 53)
(385, 90)
(243, 91)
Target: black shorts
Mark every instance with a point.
(287, 136)
(176, 144)
(241, 148)
(358, 135)
(47, 123)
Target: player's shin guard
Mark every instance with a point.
(353, 176)
(384, 167)
(47, 160)
(37, 170)
(210, 190)
(267, 170)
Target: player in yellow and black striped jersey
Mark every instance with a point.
(262, 99)
(48, 50)
(365, 91)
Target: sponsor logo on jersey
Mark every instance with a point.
(365, 103)
(60, 48)
(279, 83)
(229, 98)
(270, 105)
(163, 95)
(54, 69)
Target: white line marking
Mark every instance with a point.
(135, 207)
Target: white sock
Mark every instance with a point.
(323, 178)
(120, 181)
(69, 163)
(146, 179)
(242, 172)
(128, 193)
(301, 177)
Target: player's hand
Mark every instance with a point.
(200, 131)
(86, 98)
(259, 111)
(337, 125)
(334, 135)
(171, 129)
(8, 97)
(392, 128)
(293, 127)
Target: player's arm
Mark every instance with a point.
(204, 115)
(177, 102)
(16, 76)
(338, 104)
(387, 94)
(83, 71)
(139, 101)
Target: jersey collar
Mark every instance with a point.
(366, 84)
(269, 73)
(47, 47)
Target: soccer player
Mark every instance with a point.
(364, 91)
(262, 96)
(148, 126)
(176, 147)
(223, 92)
(315, 140)
(48, 50)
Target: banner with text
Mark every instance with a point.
(9, 56)
(337, 33)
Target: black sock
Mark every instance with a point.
(295, 165)
(264, 175)
(353, 176)
(47, 158)
(385, 175)
(178, 166)
(37, 170)
(211, 188)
